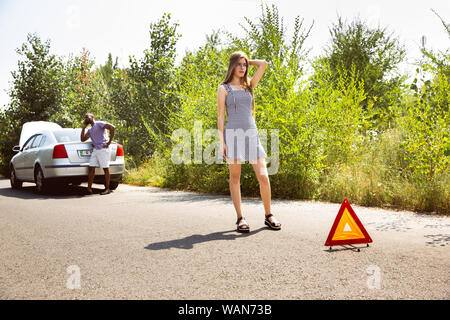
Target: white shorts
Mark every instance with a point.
(100, 158)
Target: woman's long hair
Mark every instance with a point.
(234, 59)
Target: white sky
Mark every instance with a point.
(121, 27)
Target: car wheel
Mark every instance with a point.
(15, 183)
(113, 185)
(41, 183)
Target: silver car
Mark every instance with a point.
(49, 155)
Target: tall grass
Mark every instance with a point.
(379, 176)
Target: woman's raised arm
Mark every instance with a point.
(262, 65)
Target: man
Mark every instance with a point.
(101, 153)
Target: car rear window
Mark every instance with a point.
(67, 135)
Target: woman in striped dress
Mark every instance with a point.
(239, 140)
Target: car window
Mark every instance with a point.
(67, 135)
(27, 144)
(42, 141)
(37, 141)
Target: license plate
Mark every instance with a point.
(84, 153)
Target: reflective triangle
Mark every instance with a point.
(347, 229)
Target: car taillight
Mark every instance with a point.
(59, 152)
(119, 152)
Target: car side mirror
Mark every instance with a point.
(16, 148)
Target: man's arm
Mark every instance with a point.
(84, 136)
(111, 130)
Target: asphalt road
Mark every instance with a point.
(150, 243)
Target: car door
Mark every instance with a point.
(19, 161)
(29, 157)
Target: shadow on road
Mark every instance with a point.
(188, 242)
(29, 192)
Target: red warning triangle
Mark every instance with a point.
(347, 229)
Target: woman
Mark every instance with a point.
(235, 96)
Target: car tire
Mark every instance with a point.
(113, 185)
(15, 183)
(41, 183)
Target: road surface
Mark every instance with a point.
(151, 243)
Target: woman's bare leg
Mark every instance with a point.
(235, 185)
(259, 166)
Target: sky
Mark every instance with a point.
(122, 27)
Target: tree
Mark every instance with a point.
(82, 91)
(36, 90)
(35, 94)
(375, 55)
(106, 71)
(437, 61)
(426, 120)
(267, 38)
(151, 82)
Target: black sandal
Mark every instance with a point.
(239, 227)
(272, 225)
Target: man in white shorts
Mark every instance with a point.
(101, 153)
